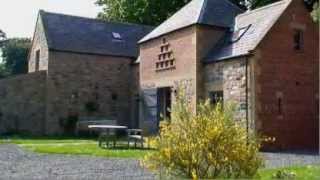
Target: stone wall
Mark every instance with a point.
(39, 44)
(134, 93)
(207, 37)
(76, 81)
(22, 103)
(287, 82)
(233, 78)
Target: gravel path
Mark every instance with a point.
(275, 160)
(16, 163)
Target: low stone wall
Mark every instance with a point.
(22, 103)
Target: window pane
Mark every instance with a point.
(216, 97)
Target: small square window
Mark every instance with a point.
(216, 97)
(164, 40)
(114, 96)
(116, 35)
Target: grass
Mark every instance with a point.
(72, 146)
(302, 172)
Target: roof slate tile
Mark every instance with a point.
(86, 35)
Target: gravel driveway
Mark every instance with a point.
(275, 160)
(18, 164)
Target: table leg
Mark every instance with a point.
(100, 140)
(107, 137)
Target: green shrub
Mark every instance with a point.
(209, 144)
(69, 124)
(91, 107)
(284, 174)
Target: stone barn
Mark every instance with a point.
(79, 68)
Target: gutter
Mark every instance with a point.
(228, 58)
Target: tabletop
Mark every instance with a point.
(107, 127)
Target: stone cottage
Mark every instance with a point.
(79, 68)
(266, 61)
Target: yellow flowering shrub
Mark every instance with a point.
(209, 144)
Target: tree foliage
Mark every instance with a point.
(154, 12)
(150, 12)
(14, 56)
(253, 4)
(316, 12)
(2, 35)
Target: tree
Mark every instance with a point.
(149, 12)
(14, 56)
(3, 72)
(2, 35)
(316, 12)
(253, 4)
(139, 11)
(154, 12)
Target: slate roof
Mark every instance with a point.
(259, 22)
(92, 36)
(219, 13)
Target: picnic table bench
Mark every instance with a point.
(108, 133)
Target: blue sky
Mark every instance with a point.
(18, 17)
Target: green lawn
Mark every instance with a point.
(78, 146)
(302, 172)
(72, 146)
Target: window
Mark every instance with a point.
(164, 40)
(239, 33)
(114, 96)
(298, 39)
(216, 97)
(116, 36)
(37, 60)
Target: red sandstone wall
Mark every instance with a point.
(183, 45)
(292, 75)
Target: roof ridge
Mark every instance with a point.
(264, 7)
(204, 2)
(94, 19)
